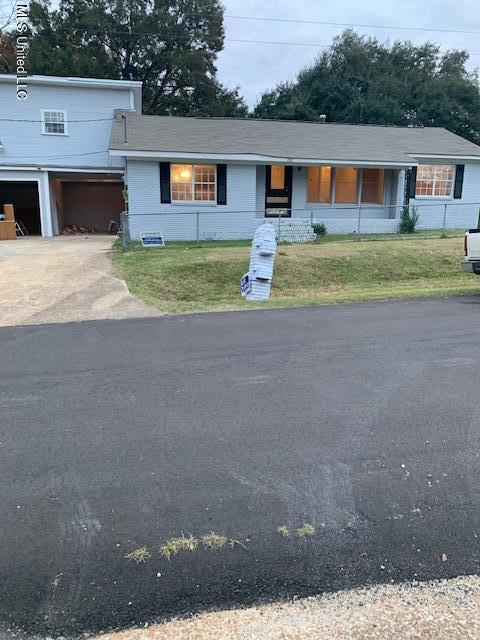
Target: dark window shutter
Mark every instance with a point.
(411, 183)
(165, 196)
(221, 184)
(457, 191)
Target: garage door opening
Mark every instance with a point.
(26, 204)
(88, 205)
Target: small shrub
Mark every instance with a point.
(319, 229)
(283, 531)
(410, 217)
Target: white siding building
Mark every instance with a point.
(54, 162)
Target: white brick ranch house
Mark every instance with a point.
(216, 178)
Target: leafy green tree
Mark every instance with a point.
(171, 45)
(360, 80)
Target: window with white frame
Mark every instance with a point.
(435, 180)
(54, 122)
(193, 182)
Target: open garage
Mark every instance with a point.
(26, 203)
(51, 203)
(86, 202)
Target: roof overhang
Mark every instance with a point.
(74, 82)
(257, 159)
(436, 158)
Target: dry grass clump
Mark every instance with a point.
(284, 531)
(140, 555)
(173, 546)
(214, 541)
(306, 531)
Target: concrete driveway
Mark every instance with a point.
(62, 279)
(360, 420)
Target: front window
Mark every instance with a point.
(373, 181)
(435, 180)
(54, 122)
(346, 185)
(319, 185)
(340, 185)
(193, 182)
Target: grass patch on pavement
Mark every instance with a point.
(175, 545)
(306, 531)
(214, 541)
(187, 277)
(139, 556)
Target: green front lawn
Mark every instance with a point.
(186, 277)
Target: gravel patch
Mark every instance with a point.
(446, 609)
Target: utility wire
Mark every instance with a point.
(72, 155)
(66, 122)
(352, 24)
(295, 44)
(171, 36)
(164, 36)
(303, 44)
(300, 21)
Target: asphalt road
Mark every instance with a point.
(362, 420)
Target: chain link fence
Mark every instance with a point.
(298, 226)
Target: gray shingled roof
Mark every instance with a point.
(286, 139)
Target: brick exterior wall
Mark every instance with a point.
(235, 220)
(461, 213)
(245, 206)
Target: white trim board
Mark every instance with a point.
(254, 159)
(73, 82)
(43, 191)
(59, 169)
(437, 157)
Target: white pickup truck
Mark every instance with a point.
(471, 262)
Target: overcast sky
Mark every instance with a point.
(258, 67)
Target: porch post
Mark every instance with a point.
(45, 204)
(359, 196)
(400, 195)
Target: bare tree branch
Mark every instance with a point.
(7, 13)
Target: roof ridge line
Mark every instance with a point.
(285, 121)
